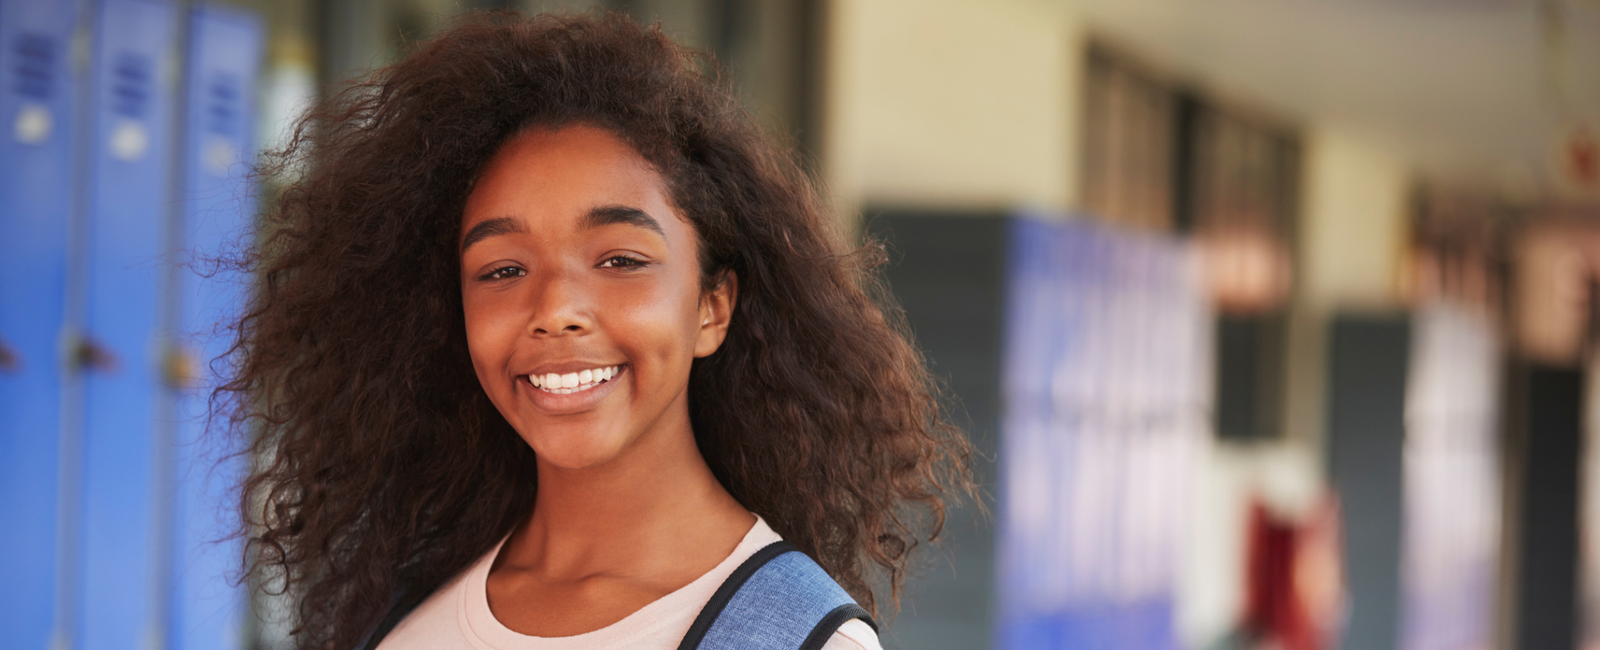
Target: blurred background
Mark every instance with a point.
(1274, 320)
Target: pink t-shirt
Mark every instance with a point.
(457, 616)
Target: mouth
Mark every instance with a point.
(575, 382)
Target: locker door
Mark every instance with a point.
(36, 115)
(129, 201)
(217, 204)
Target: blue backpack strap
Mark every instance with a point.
(779, 599)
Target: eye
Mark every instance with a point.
(621, 262)
(505, 273)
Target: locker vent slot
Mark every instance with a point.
(35, 65)
(130, 85)
(222, 104)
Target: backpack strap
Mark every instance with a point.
(779, 599)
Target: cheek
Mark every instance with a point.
(666, 316)
(490, 333)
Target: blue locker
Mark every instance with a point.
(36, 113)
(217, 205)
(129, 199)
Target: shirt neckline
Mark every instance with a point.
(485, 631)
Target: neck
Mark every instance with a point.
(657, 501)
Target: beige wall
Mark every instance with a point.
(1353, 220)
(952, 103)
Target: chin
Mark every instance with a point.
(573, 454)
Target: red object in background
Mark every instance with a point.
(1582, 159)
(1294, 582)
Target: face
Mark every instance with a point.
(581, 288)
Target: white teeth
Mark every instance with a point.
(573, 382)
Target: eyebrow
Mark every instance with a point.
(491, 228)
(604, 215)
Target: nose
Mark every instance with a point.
(560, 308)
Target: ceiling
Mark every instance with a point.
(1466, 91)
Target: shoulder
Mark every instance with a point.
(432, 624)
(786, 574)
(441, 620)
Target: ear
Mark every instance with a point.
(716, 311)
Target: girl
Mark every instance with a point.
(551, 340)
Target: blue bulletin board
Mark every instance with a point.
(1106, 384)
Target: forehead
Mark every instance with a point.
(562, 173)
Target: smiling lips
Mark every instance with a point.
(573, 382)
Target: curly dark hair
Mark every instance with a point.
(381, 463)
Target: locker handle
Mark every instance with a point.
(89, 354)
(178, 367)
(10, 361)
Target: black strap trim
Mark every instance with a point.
(719, 600)
(403, 606)
(829, 624)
